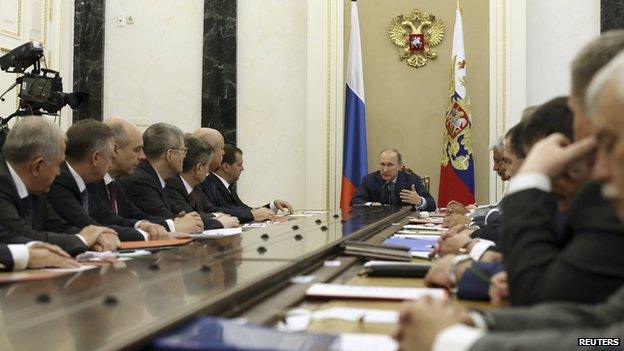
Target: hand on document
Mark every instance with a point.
(422, 320)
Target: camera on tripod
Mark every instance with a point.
(41, 89)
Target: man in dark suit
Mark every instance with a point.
(184, 189)
(391, 186)
(89, 151)
(223, 191)
(164, 149)
(114, 206)
(33, 151)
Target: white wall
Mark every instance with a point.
(556, 30)
(153, 68)
(271, 105)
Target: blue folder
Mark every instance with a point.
(209, 333)
(414, 244)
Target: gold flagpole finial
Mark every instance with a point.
(458, 6)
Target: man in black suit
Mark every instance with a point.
(213, 138)
(391, 186)
(223, 191)
(33, 151)
(114, 206)
(164, 149)
(184, 189)
(90, 147)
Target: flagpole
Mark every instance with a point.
(458, 5)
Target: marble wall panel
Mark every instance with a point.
(89, 55)
(611, 15)
(219, 67)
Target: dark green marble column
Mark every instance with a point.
(89, 55)
(219, 68)
(611, 15)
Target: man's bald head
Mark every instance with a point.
(214, 139)
(129, 146)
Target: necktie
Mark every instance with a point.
(27, 208)
(387, 196)
(84, 196)
(193, 198)
(237, 200)
(112, 197)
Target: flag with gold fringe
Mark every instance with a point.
(457, 169)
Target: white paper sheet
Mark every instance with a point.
(362, 342)
(373, 292)
(365, 315)
(218, 233)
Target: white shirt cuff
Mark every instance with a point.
(217, 214)
(273, 207)
(368, 203)
(489, 213)
(83, 239)
(524, 181)
(479, 248)
(423, 205)
(137, 224)
(457, 337)
(20, 256)
(144, 233)
(478, 320)
(171, 225)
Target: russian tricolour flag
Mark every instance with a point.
(355, 163)
(457, 170)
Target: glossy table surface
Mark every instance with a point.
(123, 305)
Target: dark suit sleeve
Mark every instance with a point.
(243, 214)
(558, 315)
(6, 259)
(471, 286)
(14, 224)
(181, 204)
(363, 193)
(422, 191)
(529, 244)
(70, 209)
(147, 199)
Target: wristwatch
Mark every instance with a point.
(453, 271)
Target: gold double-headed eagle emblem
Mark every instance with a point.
(415, 34)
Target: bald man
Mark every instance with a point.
(115, 206)
(212, 185)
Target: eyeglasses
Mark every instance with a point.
(183, 149)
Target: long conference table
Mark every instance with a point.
(128, 304)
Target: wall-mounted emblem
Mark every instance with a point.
(415, 34)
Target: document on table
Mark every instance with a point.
(217, 233)
(373, 292)
(365, 315)
(425, 227)
(358, 342)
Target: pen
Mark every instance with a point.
(482, 276)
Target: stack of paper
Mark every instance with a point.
(217, 233)
(373, 292)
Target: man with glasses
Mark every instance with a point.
(163, 145)
(185, 188)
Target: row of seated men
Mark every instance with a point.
(105, 182)
(552, 248)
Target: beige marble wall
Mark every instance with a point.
(153, 68)
(271, 109)
(556, 31)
